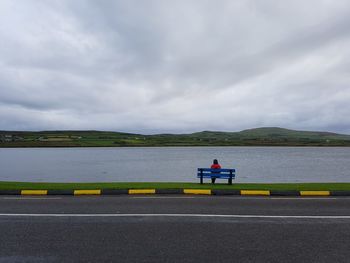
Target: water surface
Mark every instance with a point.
(174, 164)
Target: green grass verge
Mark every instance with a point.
(250, 186)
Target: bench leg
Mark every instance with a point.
(230, 179)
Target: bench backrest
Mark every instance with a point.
(222, 173)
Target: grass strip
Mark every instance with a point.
(156, 185)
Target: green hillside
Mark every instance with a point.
(268, 136)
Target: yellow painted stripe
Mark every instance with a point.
(197, 191)
(315, 193)
(141, 191)
(255, 192)
(34, 192)
(87, 192)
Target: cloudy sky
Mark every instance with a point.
(174, 66)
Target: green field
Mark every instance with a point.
(252, 137)
(155, 185)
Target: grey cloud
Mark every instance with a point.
(160, 66)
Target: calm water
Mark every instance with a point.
(174, 164)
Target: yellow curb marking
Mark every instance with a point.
(325, 193)
(255, 192)
(33, 192)
(141, 191)
(197, 191)
(87, 192)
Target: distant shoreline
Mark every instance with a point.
(254, 137)
(172, 146)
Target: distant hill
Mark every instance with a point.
(273, 131)
(266, 136)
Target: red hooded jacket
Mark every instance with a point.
(215, 166)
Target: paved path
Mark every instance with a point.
(174, 229)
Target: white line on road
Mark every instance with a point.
(31, 198)
(231, 197)
(182, 215)
(163, 197)
(302, 198)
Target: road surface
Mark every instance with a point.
(174, 229)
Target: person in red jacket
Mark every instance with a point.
(215, 165)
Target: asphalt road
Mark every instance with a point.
(174, 229)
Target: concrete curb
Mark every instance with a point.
(10, 192)
(284, 193)
(60, 192)
(169, 191)
(225, 192)
(340, 193)
(114, 191)
(176, 191)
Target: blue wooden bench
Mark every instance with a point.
(216, 173)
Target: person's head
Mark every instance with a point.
(215, 161)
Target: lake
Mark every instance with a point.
(174, 164)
